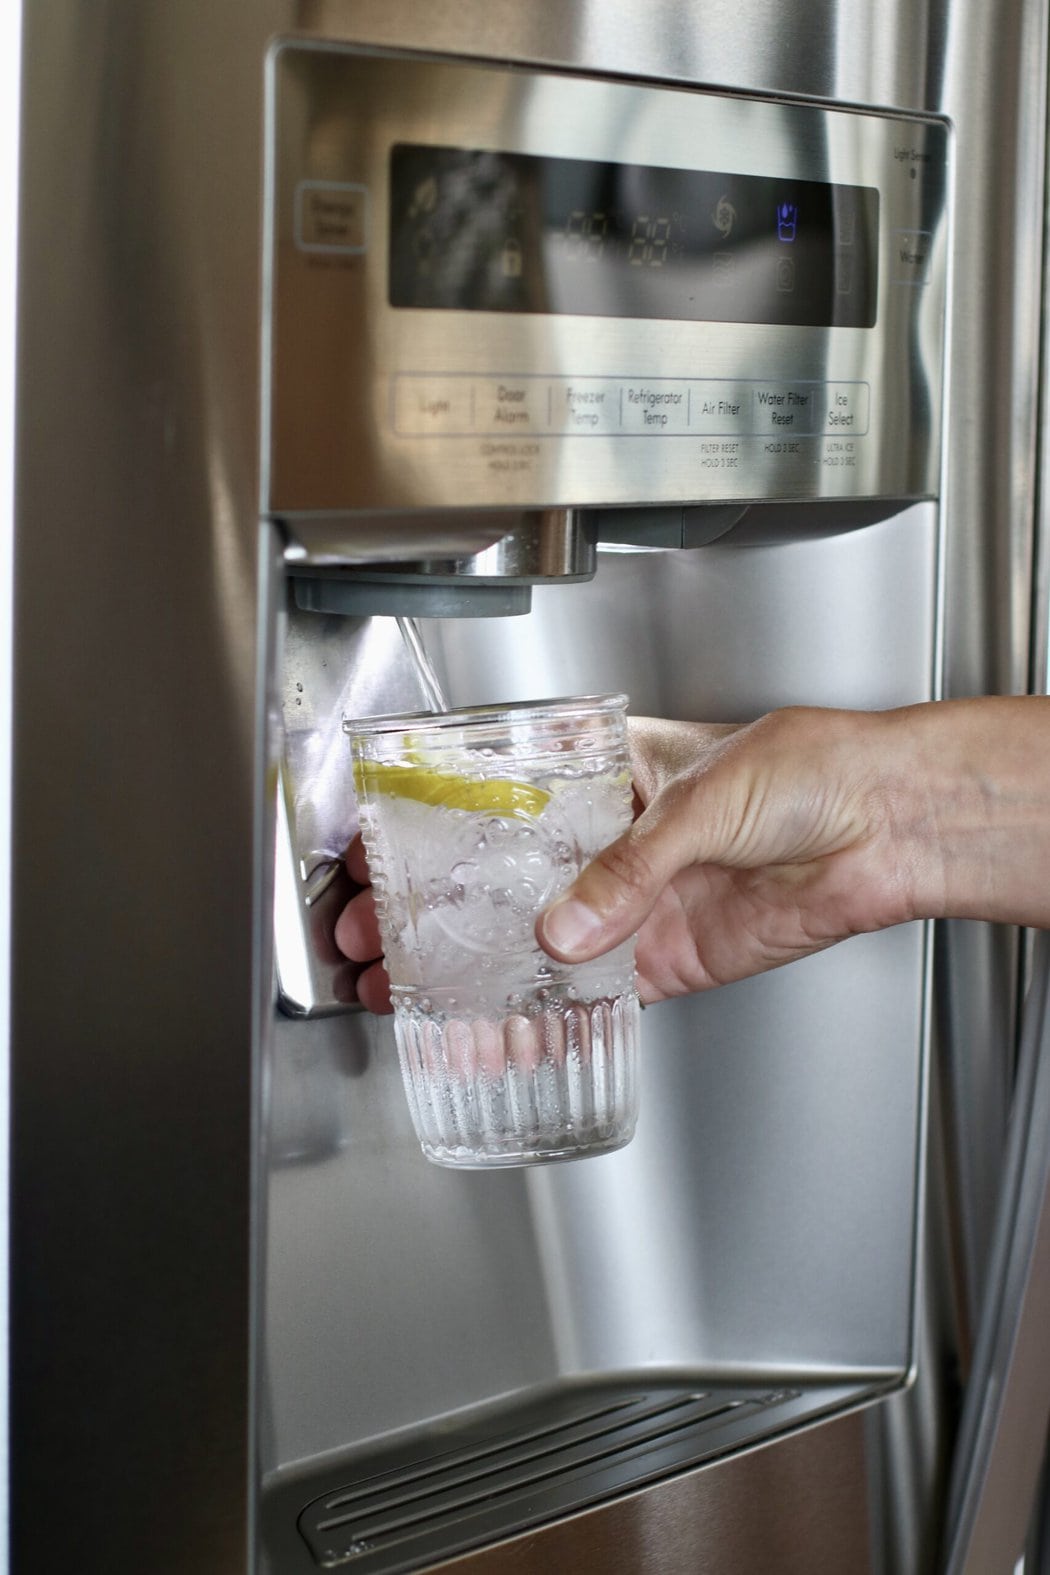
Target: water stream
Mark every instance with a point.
(429, 681)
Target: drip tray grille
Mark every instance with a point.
(488, 1474)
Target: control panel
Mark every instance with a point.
(493, 287)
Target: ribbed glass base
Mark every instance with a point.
(559, 1083)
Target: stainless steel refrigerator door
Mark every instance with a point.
(759, 1231)
(1003, 1434)
(138, 983)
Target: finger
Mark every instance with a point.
(662, 750)
(614, 894)
(357, 928)
(373, 990)
(693, 820)
(618, 890)
(357, 864)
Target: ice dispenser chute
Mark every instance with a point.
(528, 547)
(350, 647)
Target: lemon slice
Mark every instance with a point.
(479, 795)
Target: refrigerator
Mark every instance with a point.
(692, 351)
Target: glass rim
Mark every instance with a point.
(489, 714)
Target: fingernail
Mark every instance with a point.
(570, 926)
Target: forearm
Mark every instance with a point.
(968, 792)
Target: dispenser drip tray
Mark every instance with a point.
(498, 1470)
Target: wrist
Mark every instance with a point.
(969, 797)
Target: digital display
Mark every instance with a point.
(479, 231)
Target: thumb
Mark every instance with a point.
(611, 897)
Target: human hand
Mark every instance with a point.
(357, 935)
(755, 845)
(752, 846)
(759, 844)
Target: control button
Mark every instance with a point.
(845, 408)
(785, 409)
(725, 269)
(331, 216)
(656, 407)
(785, 274)
(845, 219)
(433, 406)
(844, 272)
(512, 404)
(458, 405)
(724, 217)
(585, 405)
(717, 409)
(911, 256)
(787, 222)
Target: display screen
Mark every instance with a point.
(479, 231)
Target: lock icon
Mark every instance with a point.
(511, 262)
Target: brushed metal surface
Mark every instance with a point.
(985, 68)
(1006, 1421)
(823, 50)
(737, 631)
(990, 499)
(681, 1251)
(136, 763)
(377, 407)
(133, 996)
(482, 1476)
(799, 1506)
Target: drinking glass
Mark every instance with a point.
(473, 821)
